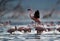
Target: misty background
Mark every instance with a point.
(16, 10)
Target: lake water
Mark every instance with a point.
(4, 36)
(29, 37)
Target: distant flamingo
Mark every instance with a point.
(58, 29)
(40, 30)
(27, 29)
(49, 29)
(12, 30)
(20, 29)
(24, 29)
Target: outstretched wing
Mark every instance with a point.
(36, 15)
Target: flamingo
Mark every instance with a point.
(24, 29)
(40, 30)
(12, 30)
(36, 15)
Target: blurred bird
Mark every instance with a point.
(53, 9)
(50, 14)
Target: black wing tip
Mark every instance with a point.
(36, 15)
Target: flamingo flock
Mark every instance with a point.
(20, 29)
(38, 29)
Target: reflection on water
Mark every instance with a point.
(28, 37)
(37, 36)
